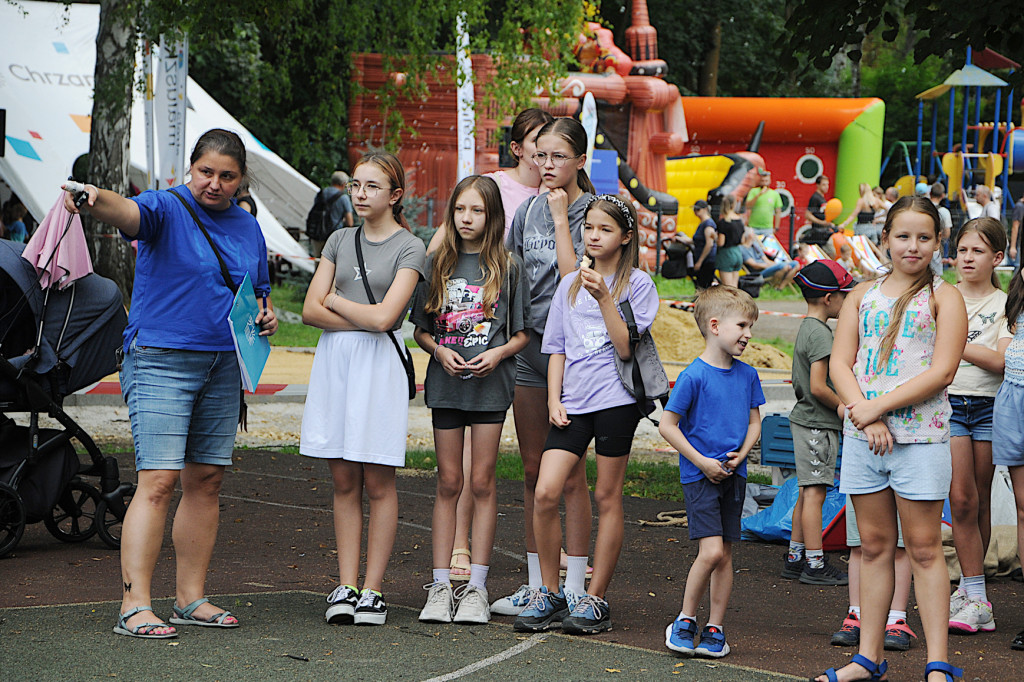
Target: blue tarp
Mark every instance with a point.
(775, 522)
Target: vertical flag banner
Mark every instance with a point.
(147, 75)
(464, 80)
(169, 104)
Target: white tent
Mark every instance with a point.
(46, 83)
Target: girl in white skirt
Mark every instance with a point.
(357, 407)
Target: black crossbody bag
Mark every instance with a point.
(406, 357)
(243, 409)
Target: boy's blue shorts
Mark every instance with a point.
(714, 509)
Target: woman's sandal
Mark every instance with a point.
(946, 669)
(877, 670)
(145, 630)
(184, 616)
(459, 572)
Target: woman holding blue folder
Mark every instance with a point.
(180, 376)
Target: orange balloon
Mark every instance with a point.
(833, 207)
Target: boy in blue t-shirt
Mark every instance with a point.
(712, 419)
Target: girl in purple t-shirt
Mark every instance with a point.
(585, 330)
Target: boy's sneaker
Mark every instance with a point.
(513, 604)
(371, 609)
(679, 636)
(957, 601)
(973, 617)
(543, 612)
(712, 643)
(590, 616)
(791, 570)
(849, 634)
(899, 636)
(826, 575)
(571, 598)
(440, 603)
(342, 605)
(472, 607)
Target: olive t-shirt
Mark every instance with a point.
(813, 343)
(383, 261)
(462, 326)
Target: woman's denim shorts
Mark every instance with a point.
(183, 405)
(972, 416)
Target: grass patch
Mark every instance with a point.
(683, 289)
(779, 343)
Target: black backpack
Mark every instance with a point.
(318, 220)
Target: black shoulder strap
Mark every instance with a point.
(405, 357)
(216, 252)
(634, 340)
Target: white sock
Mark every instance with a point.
(895, 615)
(815, 558)
(576, 574)
(478, 575)
(962, 583)
(442, 575)
(974, 586)
(682, 615)
(855, 610)
(533, 570)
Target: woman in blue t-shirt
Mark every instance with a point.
(180, 377)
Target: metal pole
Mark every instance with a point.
(792, 227)
(920, 138)
(657, 241)
(935, 130)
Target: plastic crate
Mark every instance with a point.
(777, 443)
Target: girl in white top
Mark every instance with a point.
(979, 249)
(357, 406)
(897, 346)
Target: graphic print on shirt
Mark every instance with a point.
(461, 323)
(588, 322)
(359, 275)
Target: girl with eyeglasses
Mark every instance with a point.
(357, 407)
(547, 233)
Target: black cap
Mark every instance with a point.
(824, 277)
(700, 205)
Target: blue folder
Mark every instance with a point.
(251, 348)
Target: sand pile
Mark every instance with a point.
(678, 339)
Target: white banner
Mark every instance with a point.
(467, 141)
(169, 105)
(147, 75)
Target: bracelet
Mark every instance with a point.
(436, 348)
(331, 306)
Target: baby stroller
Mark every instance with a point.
(52, 343)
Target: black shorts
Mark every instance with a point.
(714, 509)
(448, 418)
(611, 430)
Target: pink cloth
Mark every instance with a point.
(512, 194)
(72, 260)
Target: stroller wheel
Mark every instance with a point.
(111, 516)
(73, 518)
(12, 518)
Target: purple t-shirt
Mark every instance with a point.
(591, 381)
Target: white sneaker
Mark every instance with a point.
(973, 616)
(957, 601)
(472, 606)
(513, 604)
(440, 603)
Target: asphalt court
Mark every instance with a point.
(284, 638)
(275, 562)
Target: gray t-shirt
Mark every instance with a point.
(337, 207)
(383, 261)
(813, 343)
(462, 326)
(532, 238)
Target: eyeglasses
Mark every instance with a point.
(557, 160)
(370, 189)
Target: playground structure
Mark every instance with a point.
(998, 147)
(646, 148)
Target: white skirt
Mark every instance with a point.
(357, 406)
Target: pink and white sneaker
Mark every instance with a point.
(973, 617)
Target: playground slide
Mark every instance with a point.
(690, 179)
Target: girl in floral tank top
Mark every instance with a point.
(897, 347)
(1007, 424)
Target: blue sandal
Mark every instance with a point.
(184, 616)
(144, 630)
(949, 671)
(876, 670)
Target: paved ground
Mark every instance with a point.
(275, 560)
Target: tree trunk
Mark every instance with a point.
(707, 84)
(108, 140)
